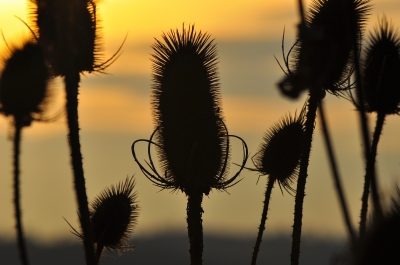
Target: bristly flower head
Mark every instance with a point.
(23, 83)
(192, 139)
(324, 48)
(113, 216)
(68, 33)
(280, 152)
(381, 75)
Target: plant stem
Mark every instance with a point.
(99, 251)
(301, 182)
(261, 228)
(335, 174)
(18, 218)
(71, 86)
(364, 128)
(370, 171)
(195, 227)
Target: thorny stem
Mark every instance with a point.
(18, 218)
(335, 174)
(195, 227)
(301, 182)
(261, 228)
(370, 175)
(370, 168)
(71, 86)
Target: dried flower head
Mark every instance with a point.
(113, 216)
(192, 140)
(68, 33)
(381, 78)
(23, 83)
(324, 48)
(280, 152)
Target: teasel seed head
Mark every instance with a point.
(322, 56)
(381, 75)
(186, 108)
(67, 32)
(279, 154)
(114, 214)
(191, 137)
(23, 83)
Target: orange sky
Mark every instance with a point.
(114, 114)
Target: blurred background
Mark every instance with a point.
(115, 111)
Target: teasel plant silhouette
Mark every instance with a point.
(381, 86)
(191, 137)
(113, 215)
(278, 157)
(68, 33)
(381, 244)
(322, 61)
(23, 96)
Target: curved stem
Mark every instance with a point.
(99, 251)
(301, 182)
(261, 228)
(370, 171)
(71, 85)
(335, 174)
(18, 217)
(195, 227)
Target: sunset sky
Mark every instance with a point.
(115, 111)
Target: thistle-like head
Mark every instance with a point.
(23, 83)
(323, 53)
(191, 136)
(381, 70)
(68, 32)
(280, 151)
(113, 216)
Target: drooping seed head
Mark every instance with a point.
(67, 33)
(324, 50)
(381, 75)
(114, 214)
(280, 152)
(187, 112)
(23, 83)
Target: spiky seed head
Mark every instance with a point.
(279, 154)
(67, 30)
(324, 51)
(381, 75)
(186, 108)
(114, 214)
(23, 83)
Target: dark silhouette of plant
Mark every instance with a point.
(381, 86)
(278, 157)
(113, 216)
(322, 57)
(381, 243)
(23, 91)
(191, 137)
(68, 34)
